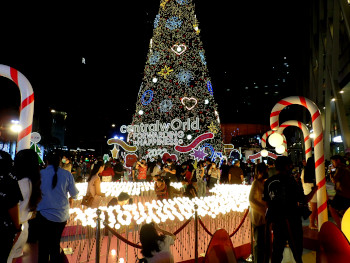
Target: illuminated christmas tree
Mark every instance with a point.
(176, 115)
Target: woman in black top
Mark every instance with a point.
(10, 195)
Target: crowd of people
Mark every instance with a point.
(279, 197)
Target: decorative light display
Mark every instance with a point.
(189, 103)
(198, 154)
(210, 88)
(154, 58)
(147, 97)
(165, 105)
(115, 188)
(176, 71)
(184, 77)
(178, 49)
(225, 199)
(173, 23)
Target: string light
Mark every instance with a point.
(225, 199)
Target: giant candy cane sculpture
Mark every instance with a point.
(306, 134)
(27, 104)
(318, 147)
(267, 134)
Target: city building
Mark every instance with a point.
(329, 70)
(58, 127)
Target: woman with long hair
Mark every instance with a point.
(200, 179)
(258, 211)
(156, 247)
(10, 196)
(27, 171)
(94, 184)
(53, 209)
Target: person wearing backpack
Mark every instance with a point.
(285, 201)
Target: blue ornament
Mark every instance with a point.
(149, 94)
(182, 2)
(210, 147)
(154, 58)
(210, 88)
(201, 54)
(184, 77)
(156, 21)
(173, 23)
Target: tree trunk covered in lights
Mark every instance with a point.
(175, 105)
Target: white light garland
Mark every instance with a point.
(226, 199)
(113, 189)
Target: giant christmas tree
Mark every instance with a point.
(176, 115)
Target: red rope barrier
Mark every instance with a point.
(239, 226)
(135, 245)
(183, 226)
(234, 232)
(205, 229)
(121, 237)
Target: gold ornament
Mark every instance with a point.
(163, 3)
(165, 72)
(196, 28)
(213, 128)
(115, 152)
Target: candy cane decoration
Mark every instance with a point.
(27, 105)
(267, 134)
(306, 134)
(318, 148)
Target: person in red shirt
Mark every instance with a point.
(142, 168)
(107, 173)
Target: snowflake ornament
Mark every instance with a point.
(185, 76)
(173, 23)
(165, 105)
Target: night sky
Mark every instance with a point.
(47, 43)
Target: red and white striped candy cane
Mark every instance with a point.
(27, 104)
(267, 134)
(318, 148)
(306, 134)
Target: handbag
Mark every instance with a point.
(87, 200)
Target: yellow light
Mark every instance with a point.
(113, 252)
(16, 128)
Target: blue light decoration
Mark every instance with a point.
(165, 105)
(210, 88)
(149, 94)
(173, 23)
(156, 21)
(201, 54)
(210, 147)
(154, 58)
(185, 76)
(182, 2)
(213, 154)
